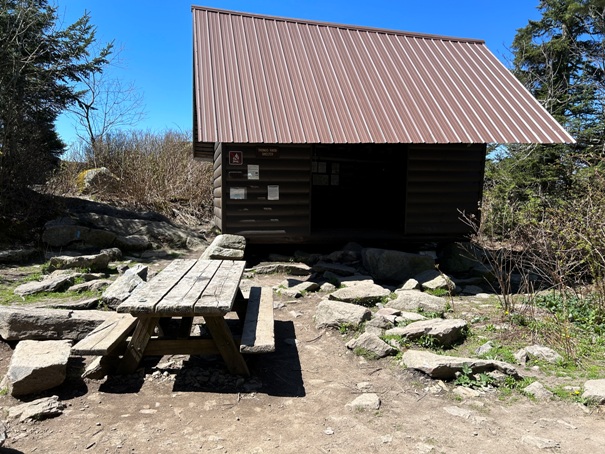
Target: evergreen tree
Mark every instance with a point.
(40, 66)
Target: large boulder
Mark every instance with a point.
(60, 235)
(94, 180)
(18, 256)
(389, 265)
(37, 366)
(333, 314)
(21, 323)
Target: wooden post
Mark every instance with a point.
(138, 343)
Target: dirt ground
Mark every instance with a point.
(295, 402)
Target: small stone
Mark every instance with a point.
(367, 401)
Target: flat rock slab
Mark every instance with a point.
(37, 366)
(594, 391)
(94, 262)
(347, 281)
(121, 288)
(18, 255)
(299, 289)
(291, 268)
(413, 300)
(445, 367)
(21, 323)
(46, 407)
(445, 332)
(336, 268)
(225, 247)
(333, 314)
(361, 294)
(51, 283)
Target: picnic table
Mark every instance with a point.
(185, 289)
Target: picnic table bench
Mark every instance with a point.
(185, 289)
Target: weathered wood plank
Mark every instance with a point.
(226, 345)
(105, 337)
(182, 297)
(145, 300)
(137, 345)
(259, 334)
(222, 290)
(161, 347)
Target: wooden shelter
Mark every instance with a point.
(324, 131)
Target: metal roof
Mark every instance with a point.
(262, 79)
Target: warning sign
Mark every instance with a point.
(236, 158)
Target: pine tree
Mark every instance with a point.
(40, 66)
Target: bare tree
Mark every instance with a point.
(105, 104)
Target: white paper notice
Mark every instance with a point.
(273, 192)
(253, 172)
(237, 193)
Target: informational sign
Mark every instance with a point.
(266, 152)
(237, 193)
(253, 172)
(236, 158)
(273, 192)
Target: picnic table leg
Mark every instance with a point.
(137, 345)
(185, 328)
(221, 334)
(240, 305)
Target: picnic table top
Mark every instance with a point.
(187, 288)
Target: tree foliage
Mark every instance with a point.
(40, 66)
(560, 58)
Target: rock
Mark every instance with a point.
(2, 433)
(388, 312)
(413, 300)
(445, 332)
(333, 314)
(226, 247)
(121, 288)
(409, 317)
(291, 268)
(98, 179)
(50, 283)
(336, 268)
(539, 352)
(21, 323)
(373, 344)
(594, 391)
(327, 287)
(485, 348)
(91, 286)
(388, 265)
(540, 443)
(62, 235)
(435, 280)
(347, 281)
(445, 367)
(298, 289)
(343, 257)
(366, 401)
(46, 407)
(18, 256)
(37, 366)
(538, 390)
(87, 304)
(94, 262)
(378, 325)
(139, 269)
(133, 243)
(364, 294)
(411, 284)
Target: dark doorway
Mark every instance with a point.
(358, 187)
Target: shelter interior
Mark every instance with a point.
(317, 192)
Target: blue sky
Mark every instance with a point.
(155, 37)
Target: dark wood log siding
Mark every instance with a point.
(284, 220)
(441, 180)
(218, 187)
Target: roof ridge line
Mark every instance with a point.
(337, 25)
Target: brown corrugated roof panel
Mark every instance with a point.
(261, 79)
